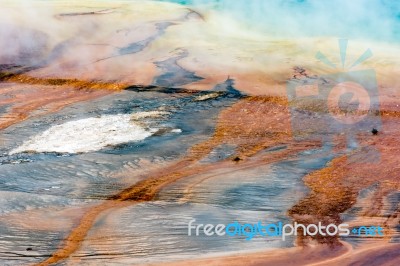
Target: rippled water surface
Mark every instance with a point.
(44, 194)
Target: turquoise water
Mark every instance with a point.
(376, 19)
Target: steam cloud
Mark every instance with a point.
(378, 19)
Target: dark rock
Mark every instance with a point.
(236, 159)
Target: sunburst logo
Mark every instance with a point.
(343, 52)
(343, 102)
(348, 102)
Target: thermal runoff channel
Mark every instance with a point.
(203, 132)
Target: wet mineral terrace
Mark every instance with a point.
(121, 121)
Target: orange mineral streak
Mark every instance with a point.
(329, 198)
(239, 124)
(322, 255)
(333, 190)
(283, 257)
(253, 124)
(75, 83)
(26, 96)
(24, 101)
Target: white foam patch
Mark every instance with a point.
(90, 134)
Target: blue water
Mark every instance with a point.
(362, 19)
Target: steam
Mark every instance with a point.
(375, 19)
(26, 32)
(122, 40)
